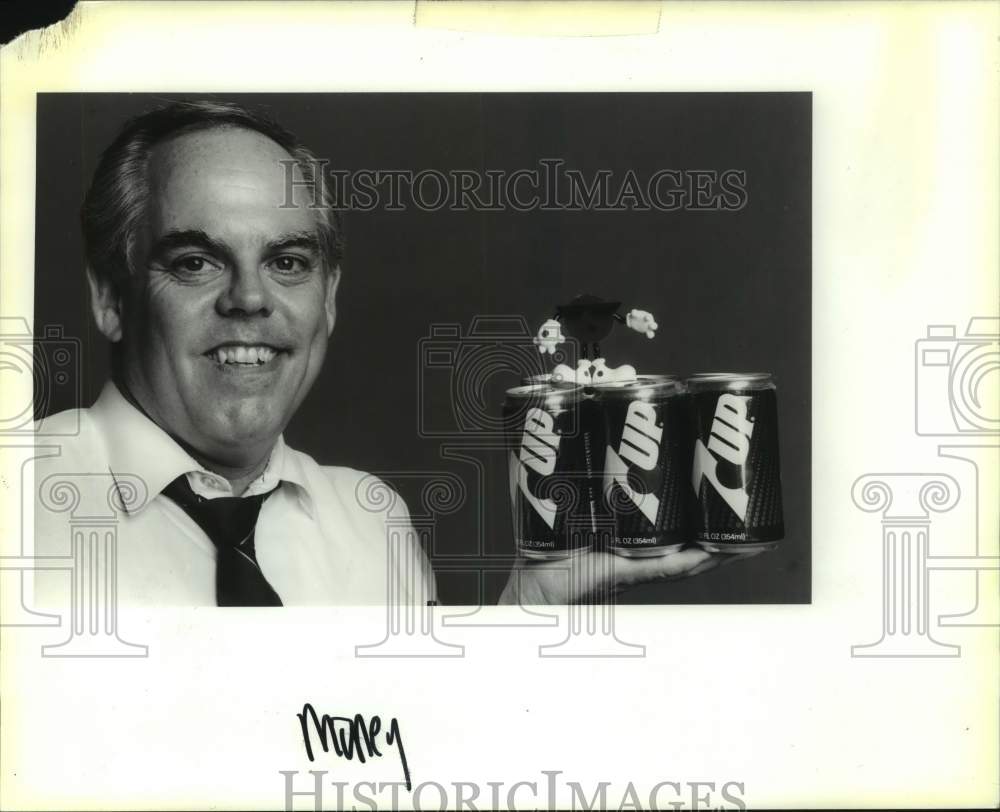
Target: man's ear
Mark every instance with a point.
(106, 305)
(330, 303)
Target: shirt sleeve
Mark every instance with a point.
(386, 548)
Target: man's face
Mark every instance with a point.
(226, 319)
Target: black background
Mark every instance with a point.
(18, 16)
(730, 290)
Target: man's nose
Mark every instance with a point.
(247, 293)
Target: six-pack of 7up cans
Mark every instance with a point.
(642, 467)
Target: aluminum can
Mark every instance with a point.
(553, 485)
(735, 468)
(647, 458)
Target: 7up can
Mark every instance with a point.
(550, 434)
(647, 457)
(735, 471)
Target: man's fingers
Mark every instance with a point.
(716, 560)
(665, 567)
(594, 576)
(682, 564)
(732, 558)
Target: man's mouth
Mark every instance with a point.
(243, 354)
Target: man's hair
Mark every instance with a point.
(115, 203)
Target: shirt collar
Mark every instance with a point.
(136, 445)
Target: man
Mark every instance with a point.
(218, 296)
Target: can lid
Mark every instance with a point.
(643, 386)
(542, 389)
(702, 381)
(658, 376)
(548, 378)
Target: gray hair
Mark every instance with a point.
(115, 203)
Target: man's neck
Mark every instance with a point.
(239, 477)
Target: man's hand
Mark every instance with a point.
(549, 336)
(595, 576)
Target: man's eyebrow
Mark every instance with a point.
(188, 238)
(295, 239)
(196, 238)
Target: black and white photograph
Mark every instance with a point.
(552, 327)
(425, 404)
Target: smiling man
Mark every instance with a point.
(223, 326)
(218, 296)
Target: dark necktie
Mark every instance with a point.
(229, 521)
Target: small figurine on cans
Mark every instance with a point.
(589, 320)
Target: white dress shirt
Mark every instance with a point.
(327, 535)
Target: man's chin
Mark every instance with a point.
(242, 433)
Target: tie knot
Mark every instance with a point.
(227, 520)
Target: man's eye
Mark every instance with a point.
(289, 264)
(192, 264)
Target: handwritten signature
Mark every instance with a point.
(351, 737)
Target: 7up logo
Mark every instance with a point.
(539, 447)
(729, 440)
(639, 446)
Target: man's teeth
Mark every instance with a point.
(242, 355)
